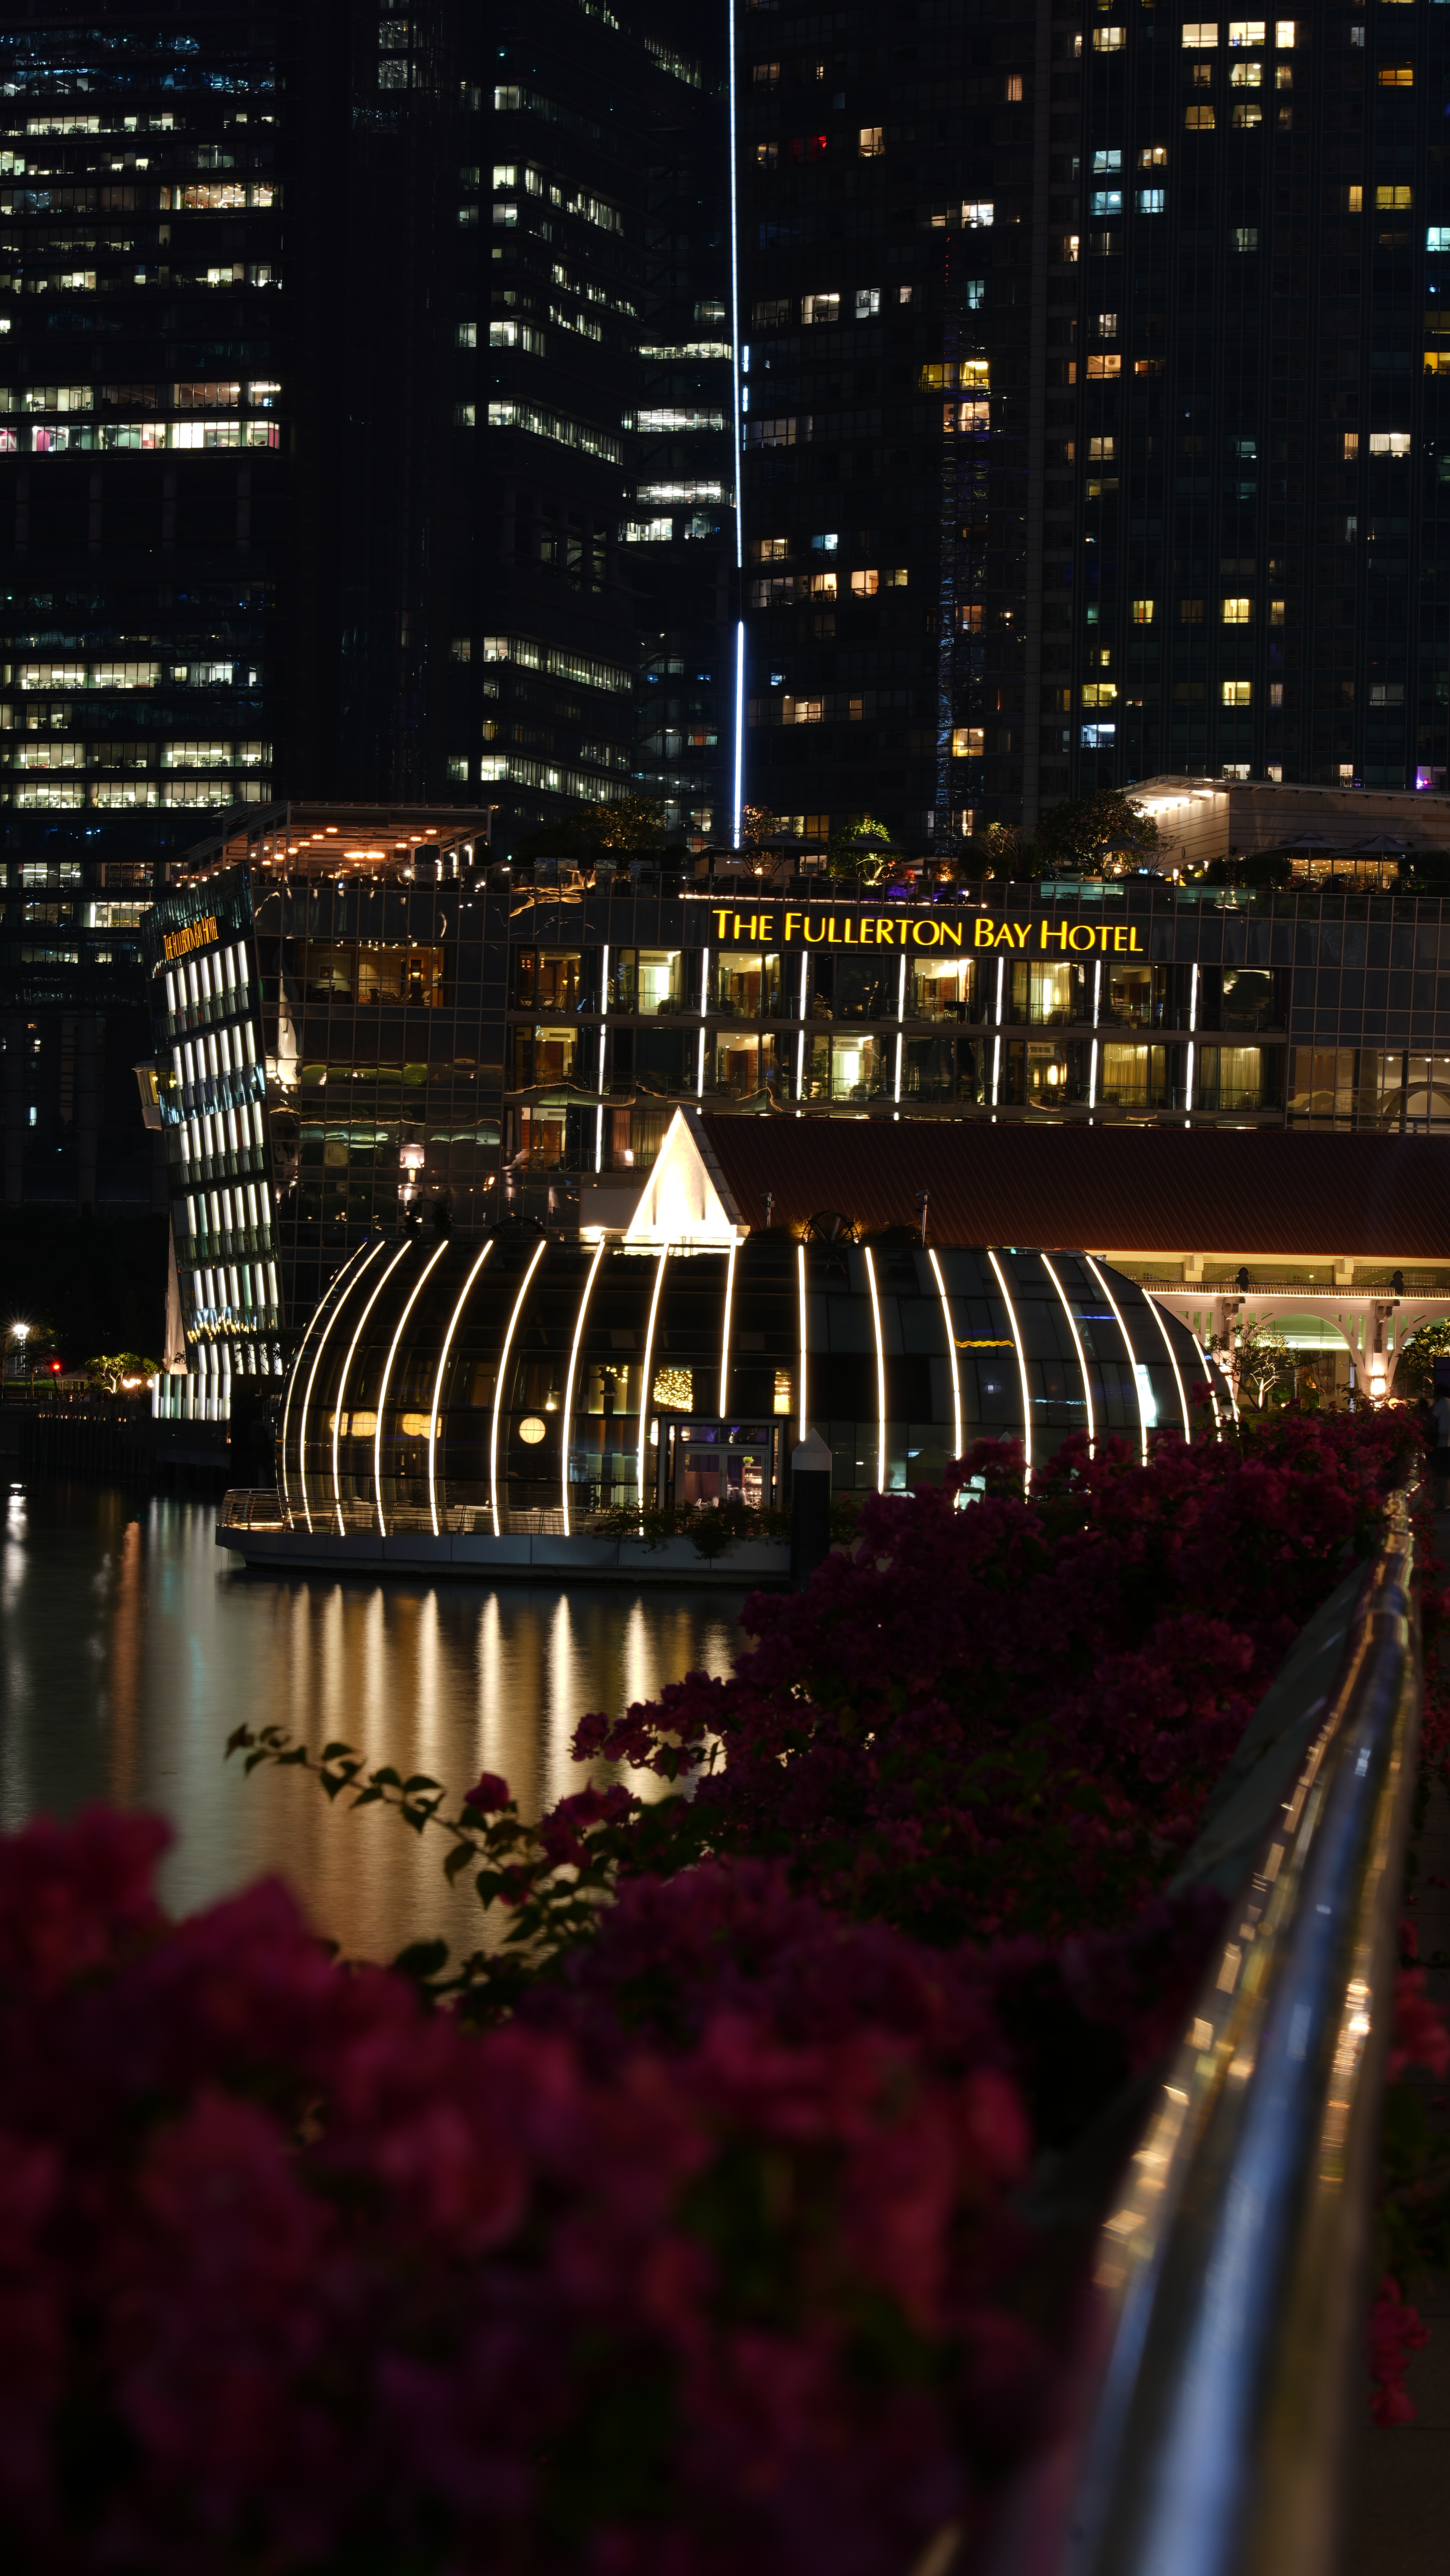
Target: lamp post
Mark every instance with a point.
(19, 1333)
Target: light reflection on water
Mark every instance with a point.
(131, 1645)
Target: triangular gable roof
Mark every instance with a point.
(685, 1199)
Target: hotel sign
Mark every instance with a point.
(774, 927)
(192, 934)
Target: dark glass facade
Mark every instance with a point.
(1093, 428)
(1019, 1002)
(526, 1385)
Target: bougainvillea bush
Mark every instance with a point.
(696, 2223)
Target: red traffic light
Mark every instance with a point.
(55, 1367)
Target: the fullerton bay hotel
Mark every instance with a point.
(360, 1019)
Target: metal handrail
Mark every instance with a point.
(1229, 2278)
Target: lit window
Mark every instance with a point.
(820, 308)
(1389, 199)
(1276, 612)
(1100, 693)
(1105, 326)
(1105, 161)
(507, 101)
(505, 174)
(1199, 120)
(1102, 365)
(1100, 451)
(1245, 31)
(976, 294)
(868, 301)
(896, 580)
(969, 617)
(1246, 236)
(1237, 612)
(766, 74)
(766, 155)
(1142, 612)
(769, 549)
(507, 215)
(1389, 442)
(1200, 33)
(1246, 76)
(1284, 34)
(1238, 693)
(1154, 156)
(968, 742)
(1437, 237)
(1276, 698)
(870, 142)
(865, 584)
(1283, 76)
(1012, 87)
(461, 648)
(977, 214)
(1107, 201)
(1109, 40)
(1397, 76)
(1099, 737)
(1152, 201)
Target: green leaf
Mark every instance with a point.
(421, 1959)
(334, 1752)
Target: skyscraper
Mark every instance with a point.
(1093, 419)
(328, 464)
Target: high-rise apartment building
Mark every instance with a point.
(1093, 403)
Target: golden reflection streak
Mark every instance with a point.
(438, 1385)
(383, 1389)
(539, 1251)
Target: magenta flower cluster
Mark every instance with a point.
(715, 2247)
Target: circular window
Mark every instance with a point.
(531, 1430)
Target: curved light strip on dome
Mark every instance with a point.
(646, 1380)
(1173, 1356)
(880, 1375)
(569, 1380)
(539, 1251)
(1021, 1363)
(438, 1384)
(307, 1399)
(1212, 1390)
(383, 1389)
(1128, 1347)
(725, 1329)
(800, 1256)
(941, 1290)
(1077, 1346)
(295, 1372)
(398, 1256)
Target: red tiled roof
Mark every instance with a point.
(1263, 1191)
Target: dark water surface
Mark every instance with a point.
(131, 1645)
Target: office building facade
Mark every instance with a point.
(1093, 405)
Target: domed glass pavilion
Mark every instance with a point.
(528, 1383)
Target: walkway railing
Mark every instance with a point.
(1231, 2274)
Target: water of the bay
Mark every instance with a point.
(131, 1646)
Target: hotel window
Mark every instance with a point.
(747, 986)
(549, 979)
(968, 742)
(1199, 120)
(1198, 33)
(1109, 40)
(870, 143)
(942, 992)
(1142, 612)
(1238, 612)
(1246, 76)
(1245, 31)
(1153, 156)
(1238, 693)
(1391, 198)
(1397, 76)
(1190, 612)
